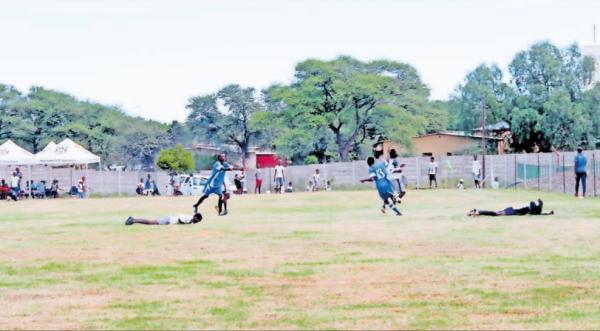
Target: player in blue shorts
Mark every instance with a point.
(215, 182)
(378, 173)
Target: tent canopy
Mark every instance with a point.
(12, 154)
(66, 152)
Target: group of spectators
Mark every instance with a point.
(149, 187)
(15, 188)
(315, 183)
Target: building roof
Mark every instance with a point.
(495, 127)
(462, 134)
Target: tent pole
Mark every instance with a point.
(30, 188)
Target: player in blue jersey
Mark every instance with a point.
(215, 183)
(379, 174)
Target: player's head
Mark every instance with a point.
(197, 218)
(221, 157)
(432, 159)
(536, 208)
(474, 157)
(370, 161)
(393, 153)
(579, 149)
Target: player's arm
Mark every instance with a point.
(399, 168)
(369, 179)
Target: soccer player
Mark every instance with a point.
(396, 176)
(532, 209)
(215, 182)
(378, 173)
(166, 220)
(433, 168)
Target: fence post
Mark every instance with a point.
(515, 167)
(594, 171)
(418, 173)
(563, 173)
(119, 181)
(550, 173)
(538, 171)
(525, 172)
(505, 171)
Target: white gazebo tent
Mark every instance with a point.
(66, 152)
(12, 155)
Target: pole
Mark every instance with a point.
(483, 149)
(515, 167)
(563, 171)
(418, 172)
(29, 180)
(594, 171)
(539, 175)
(119, 181)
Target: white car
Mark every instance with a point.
(194, 185)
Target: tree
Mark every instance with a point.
(224, 117)
(349, 102)
(9, 98)
(175, 159)
(142, 146)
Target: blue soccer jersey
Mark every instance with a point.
(379, 173)
(217, 177)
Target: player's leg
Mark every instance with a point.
(200, 201)
(131, 221)
(390, 203)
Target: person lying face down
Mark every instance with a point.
(532, 209)
(166, 220)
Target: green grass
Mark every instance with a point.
(302, 261)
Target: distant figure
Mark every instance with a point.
(378, 174)
(433, 168)
(580, 172)
(532, 209)
(396, 175)
(237, 180)
(5, 191)
(495, 183)
(14, 184)
(289, 188)
(476, 171)
(258, 181)
(461, 184)
(140, 187)
(80, 189)
(155, 188)
(316, 180)
(279, 177)
(309, 186)
(166, 220)
(54, 189)
(328, 185)
(84, 186)
(148, 185)
(20, 175)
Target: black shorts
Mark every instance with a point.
(432, 177)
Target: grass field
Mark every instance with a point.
(301, 261)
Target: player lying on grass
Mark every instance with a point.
(166, 220)
(215, 182)
(378, 173)
(532, 209)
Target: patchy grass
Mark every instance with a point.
(323, 260)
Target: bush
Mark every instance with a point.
(175, 159)
(311, 159)
(204, 162)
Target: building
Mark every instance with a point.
(441, 143)
(257, 158)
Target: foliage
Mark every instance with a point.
(546, 104)
(175, 159)
(204, 162)
(225, 117)
(311, 159)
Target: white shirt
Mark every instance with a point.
(279, 171)
(14, 181)
(393, 165)
(476, 167)
(316, 179)
(174, 219)
(495, 185)
(433, 166)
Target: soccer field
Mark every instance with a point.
(301, 261)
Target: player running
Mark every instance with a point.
(215, 182)
(378, 173)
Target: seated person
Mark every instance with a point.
(54, 188)
(40, 190)
(289, 188)
(532, 209)
(5, 192)
(461, 184)
(166, 220)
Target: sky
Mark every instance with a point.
(150, 56)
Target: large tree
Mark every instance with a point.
(343, 103)
(225, 117)
(10, 98)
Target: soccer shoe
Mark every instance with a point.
(129, 221)
(399, 214)
(223, 213)
(383, 210)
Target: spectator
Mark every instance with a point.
(5, 192)
(309, 187)
(14, 185)
(237, 181)
(155, 188)
(316, 180)
(140, 187)
(395, 173)
(580, 172)
(328, 185)
(80, 189)
(148, 185)
(84, 186)
(461, 184)
(476, 171)
(289, 188)
(433, 168)
(20, 175)
(258, 183)
(495, 183)
(40, 189)
(54, 188)
(279, 177)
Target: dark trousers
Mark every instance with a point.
(580, 176)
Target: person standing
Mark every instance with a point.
(14, 185)
(316, 180)
(396, 175)
(279, 177)
(148, 185)
(580, 172)
(258, 183)
(476, 171)
(433, 168)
